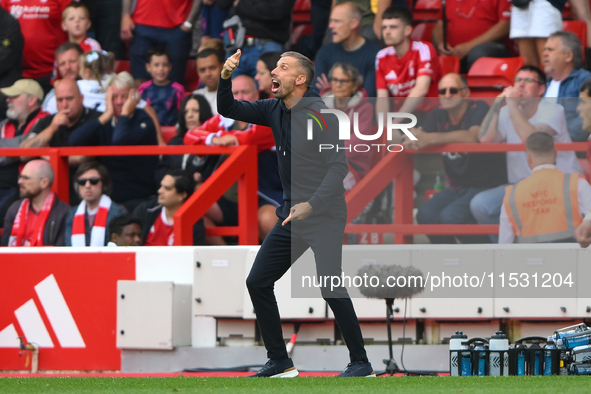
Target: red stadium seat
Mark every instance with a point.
(579, 28)
(121, 65)
(302, 25)
(449, 64)
(298, 32)
(493, 72)
(426, 10)
(422, 32)
(301, 11)
(191, 77)
(168, 132)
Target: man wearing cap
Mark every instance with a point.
(24, 111)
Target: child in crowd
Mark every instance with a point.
(161, 93)
(75, 22)
(95, 68)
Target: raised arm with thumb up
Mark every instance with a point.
(231, 64)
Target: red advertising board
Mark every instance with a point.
(66, 303)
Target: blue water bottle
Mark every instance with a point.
(466, 362)
(548, 357)
(570, 342)
(480, 351)
(581, 369)
(455, 346)
(570, 330)
(521, 360)
(537, 351)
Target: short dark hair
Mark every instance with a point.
(398, 12)
(586, 87)
(204, 112)
(101, 169)
(66, 46)
(270, 59)
(305, 63)
(207, 52)
(534, 69)
(117, 224)
(183, 181)
(156, 51)
(539, 142)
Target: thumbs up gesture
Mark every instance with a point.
(231, 64)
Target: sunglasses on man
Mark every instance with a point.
(451, 90)
(93, 181)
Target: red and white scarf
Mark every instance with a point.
(20, 222)
(97, 235)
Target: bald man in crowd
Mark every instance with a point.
(457, 121)
(55, 130)
(38, 218)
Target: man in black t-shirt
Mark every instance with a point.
(55, 130)
(458, 120)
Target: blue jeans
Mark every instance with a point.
(250, 57)
(450, 206)
(213, 18)
(486, 207)
(176, 41)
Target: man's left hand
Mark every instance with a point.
(131, 102)
(299, 212)
(421, 142)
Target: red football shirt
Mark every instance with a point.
(399, 75)
(468, 19)
(162, 13)
(261, 136)
(161, 233)
(41, 25)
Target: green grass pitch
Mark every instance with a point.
(315, 385)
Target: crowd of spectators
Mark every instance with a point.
(60, 88)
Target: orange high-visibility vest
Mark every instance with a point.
(544, 207)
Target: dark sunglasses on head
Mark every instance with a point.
(451, 90)
(93, 181)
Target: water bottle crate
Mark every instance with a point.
(526, 358)
(476, 359)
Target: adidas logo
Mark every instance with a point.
(31, 323)
(391, 75)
